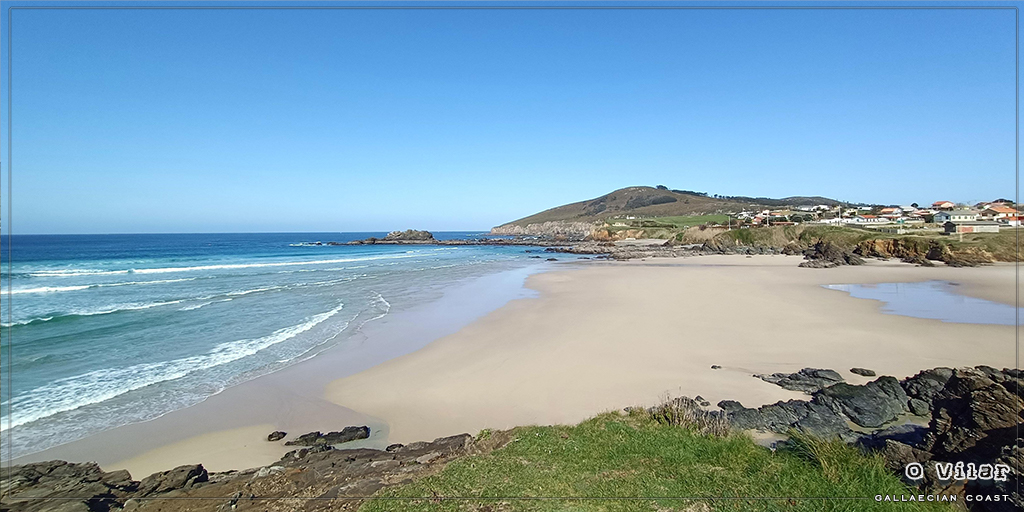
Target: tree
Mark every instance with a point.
(662, 187)
(914, 205)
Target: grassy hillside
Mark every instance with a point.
(634, 201)
(630, 456)
(659, 202)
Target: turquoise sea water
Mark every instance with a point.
(105, 330)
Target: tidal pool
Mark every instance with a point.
(936, 300)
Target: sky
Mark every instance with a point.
(239, 120)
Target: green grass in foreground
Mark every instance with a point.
(614, 455)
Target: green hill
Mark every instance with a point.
(656, 202)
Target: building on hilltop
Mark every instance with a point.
(956, 216)
(996, 212)
(943, 205)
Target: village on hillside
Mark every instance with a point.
(947, 216)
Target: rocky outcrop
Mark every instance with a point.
(276, 435)
(331, 438)
(923, 252)
(409, 236)
(810, 417)
(301, 480)
(181, 477)
(863, 372)
(974, 418)
(807, 380)
(553, 229)
(63, 486)
(872, 405)
(828, 255)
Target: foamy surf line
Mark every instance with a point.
(55, 289)
(99, 385)
(105, 311)
(228, 266)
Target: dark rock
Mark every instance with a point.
(393, 447)
(926, 384)
(907, 433)
(730, 406)
(781, 417)
(716, 367)
(871, 405)
(63, 486)
(745, 419)
(862, 371)
(827, 255)
(345, 435)
(347, 475)
(701, 401)
(897, 455)
(822, 422)
(918, 259)
(973, 417)
(552, 259)
(919, 407)
(276, 435)
(178, 478)
(807, 380)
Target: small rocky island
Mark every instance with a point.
(409, 236)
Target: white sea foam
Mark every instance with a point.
(225, 266)
(49, 289)
(26, 322)
(106, 310)
(52, 289)
(96, 386)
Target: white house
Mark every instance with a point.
(869, 219)
(956, 216)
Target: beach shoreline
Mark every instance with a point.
(543, 354)
(238, 419)
(619, 334)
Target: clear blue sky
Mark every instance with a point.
(353, 120)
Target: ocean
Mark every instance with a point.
(106, 330)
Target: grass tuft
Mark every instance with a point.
(633, 462)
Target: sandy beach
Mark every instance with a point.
(580, 339)
(614, 335)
